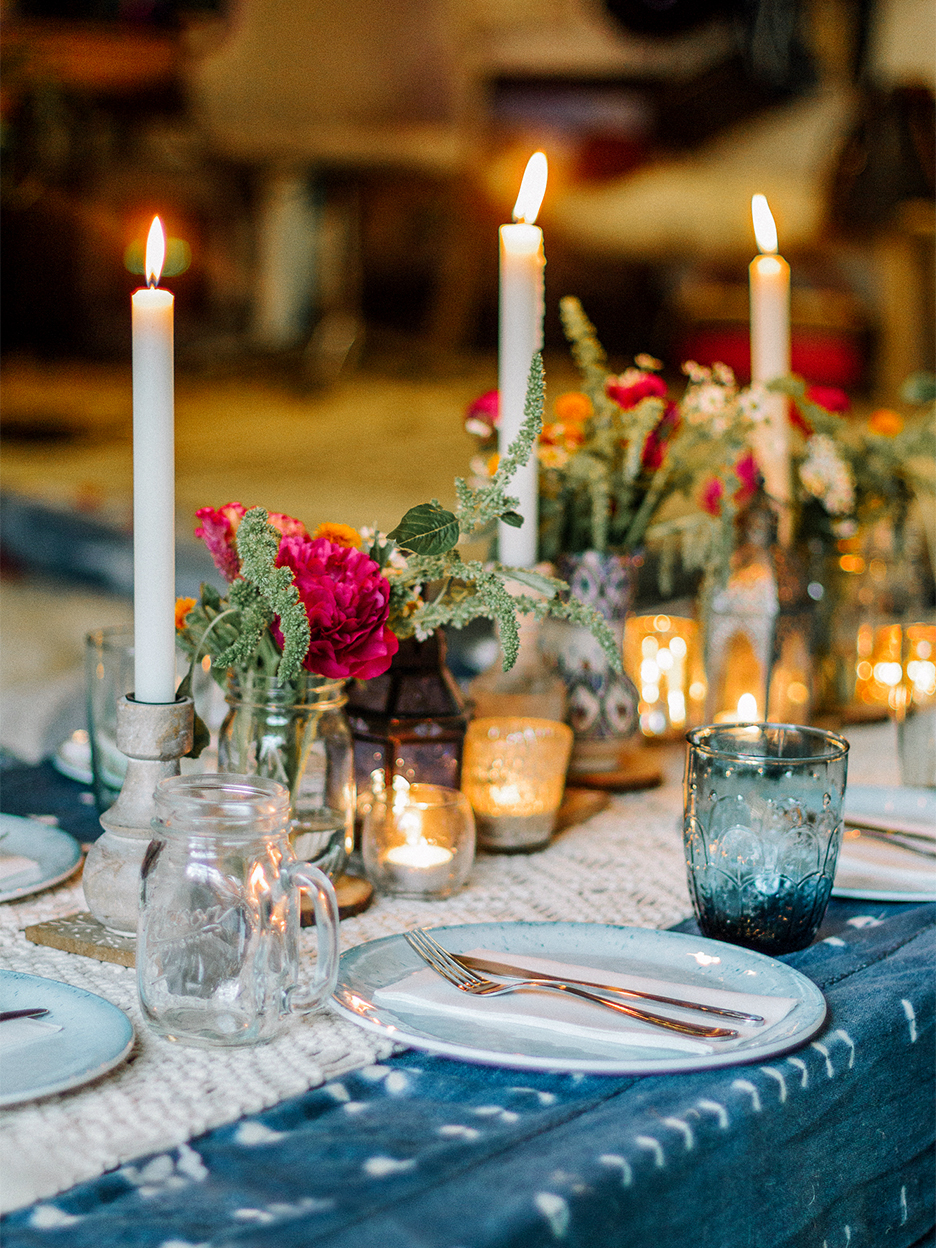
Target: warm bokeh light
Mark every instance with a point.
(765, 229)
(532, 189)
(155, 252)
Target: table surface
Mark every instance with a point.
(330, 1137)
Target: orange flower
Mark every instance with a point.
(182, 607)
(492, 464)
(885, 422)
(339, 535)
(573, 408)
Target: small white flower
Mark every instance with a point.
(753, 402)
(826, 475)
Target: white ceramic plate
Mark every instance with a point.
(56, 856)
(644, 951)
(870, 871)
(73, 758)
(95, 1037)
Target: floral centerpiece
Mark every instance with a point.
(624, 465)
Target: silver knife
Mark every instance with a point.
(35, 1011)
(511, 971)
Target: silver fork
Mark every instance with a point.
(476, 985)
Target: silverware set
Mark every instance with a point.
(460, 971)
(914, 842)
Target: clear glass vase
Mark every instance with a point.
(296, 733)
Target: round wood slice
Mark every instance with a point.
(636, 769)
(353, 893)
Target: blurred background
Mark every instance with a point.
(331, 177)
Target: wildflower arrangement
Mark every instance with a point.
(624, 465)
(847, 474)
(336, 602)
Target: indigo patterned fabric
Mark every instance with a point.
(827, 1147)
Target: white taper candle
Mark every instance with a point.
(522, 261)
(153, 483)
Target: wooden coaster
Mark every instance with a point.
(636, 769)
(579, 805)
(354, 895)
(82, 933)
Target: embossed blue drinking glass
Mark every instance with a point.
(762, 829)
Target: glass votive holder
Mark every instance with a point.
(418, 840)
(915, 711)
(663, 657)
(513, 775)
(762, 829)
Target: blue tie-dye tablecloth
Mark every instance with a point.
(828, 1147)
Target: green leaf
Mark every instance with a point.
(534, 580)
(200, 734)
(513, 518)
(426, 530)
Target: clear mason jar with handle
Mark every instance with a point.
(218, 939)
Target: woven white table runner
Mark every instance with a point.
(624, 866)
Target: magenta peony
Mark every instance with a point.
(654, 448)
(483, 415)
(347, 600)
(218, 530)
(747, 472)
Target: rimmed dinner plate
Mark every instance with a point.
(671, 956)
(871, 871)
(52, 856)
(93, 1037)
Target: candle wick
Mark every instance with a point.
(151, 281)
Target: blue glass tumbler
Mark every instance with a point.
(762, 829)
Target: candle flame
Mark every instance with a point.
(532, 189)
(765, 229)
(747, 708)
(155, 252)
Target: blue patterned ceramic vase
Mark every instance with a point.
(602, 703)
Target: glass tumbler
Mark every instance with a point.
(218, 938)
(762, 829)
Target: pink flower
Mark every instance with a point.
(287, 525)
(654, 448)
(483, 415)
(218, 530)
(747, 472)
(632, 386)
(347, 600)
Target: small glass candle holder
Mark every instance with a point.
(762, 829)
(916, 707)
(663, 657)
(418, 840)
(514, 776)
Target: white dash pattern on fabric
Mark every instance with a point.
(719, 1111)
(745, 1085)
(654, 1146)
(776, 1074)
(621, 1163)
(685, 1130)
(911, 1018)
(555, 1209)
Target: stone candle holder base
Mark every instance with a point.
(154, 736)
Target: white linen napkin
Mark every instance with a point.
(880, 866)
(16, 1033)
(533, 1011)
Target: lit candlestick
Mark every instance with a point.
(770, 358)
(153, 482)
(746, 713)
(521, 335)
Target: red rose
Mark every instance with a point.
(655, 445)
(632, 386)
(347, 600)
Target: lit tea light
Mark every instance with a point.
(663, 657)
(514, 776)
(421, 842)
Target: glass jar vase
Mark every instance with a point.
(297, 733)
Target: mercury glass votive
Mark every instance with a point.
(418, 840)
(514, 775)
(762, 829)
(663, 657)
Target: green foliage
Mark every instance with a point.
(426, 530)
